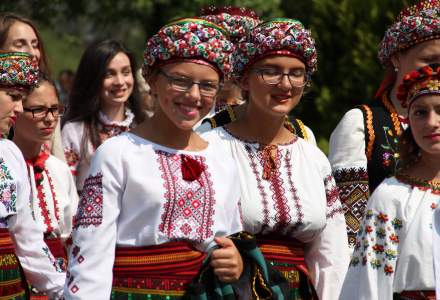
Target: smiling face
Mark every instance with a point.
(10, 107)
(424, 119)
(269, 97)
(184, 108)
(118, 82)
(38, 129)
(22, 38)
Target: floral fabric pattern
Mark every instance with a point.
(8, 188)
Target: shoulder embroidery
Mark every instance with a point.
(90, 203)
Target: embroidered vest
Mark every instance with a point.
(382, 129)
(227, 116)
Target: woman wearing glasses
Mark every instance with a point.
(159, 197)
(54, 196)
(289, 197)
(104, 102)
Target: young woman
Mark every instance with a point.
(288, 195)
(229, 106)
(20, 34)
(158, 198)
(363, 147)
(393, 256)
(104, 102)
(54, 195)
(20, 237)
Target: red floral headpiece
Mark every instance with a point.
(423, 81)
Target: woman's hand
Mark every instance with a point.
(226, 260)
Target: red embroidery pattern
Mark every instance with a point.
(293, 190)
(260, 187)
(282, 215)
(334, 206)
(43, 206)
(189, 206)
(91, 203)
(54, 198)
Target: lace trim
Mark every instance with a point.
(129, 116)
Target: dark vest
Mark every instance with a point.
(382, 129)
(227, 116)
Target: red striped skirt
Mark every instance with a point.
(160, 270)
(12, 282)
(287, 256)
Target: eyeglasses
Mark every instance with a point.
(273, 76)
(41, 112)
(184, 84)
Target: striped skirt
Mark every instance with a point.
(155, 272)
(12, 282)
(415, 295)
(287, 257)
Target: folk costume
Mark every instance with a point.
(54, 200)
(289, 197)
(393, 256)
(22, 248)
(363, 146)
(78, 149)
(150, 213)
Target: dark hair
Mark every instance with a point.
(7, 20)
(84, 100)
(409, 151)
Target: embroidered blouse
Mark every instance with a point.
(136, 195)
(78, 153)
(393, 250)
(363, 152)
(297, 198)
(35, 258)
(54, 197)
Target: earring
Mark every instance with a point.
(396, 69)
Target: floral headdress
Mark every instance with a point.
(18, 71)
(423, 81)
(414, 25)
(279, 36)
(195, 39)
(238, 21)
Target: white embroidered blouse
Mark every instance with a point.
(78, 152)
(300, 200)
(135, 195)
(393, 250)
(35, 258)
(55, 200)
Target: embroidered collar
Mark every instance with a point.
(129, 116)
(421, 184)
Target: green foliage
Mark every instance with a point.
(347, 32)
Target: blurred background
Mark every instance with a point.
(347, 33)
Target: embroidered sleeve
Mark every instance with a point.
(349, 164)
(8, 190)
(372, 266)
(327, 255)
(91, 255)
(38, 264)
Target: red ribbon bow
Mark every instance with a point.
(37, 164)
(191, 168)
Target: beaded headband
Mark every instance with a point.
(238, 21)
(17, 71)
(423, 81)
(414, 25)
(279, 36)
(189, 39)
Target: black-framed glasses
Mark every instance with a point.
(184, 84)
(273, 76)
(41, 112)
